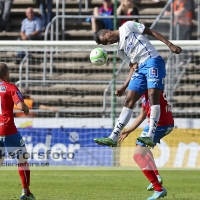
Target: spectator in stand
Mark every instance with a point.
(46, 15)
(104, 23)
(5, 7)
(183, 15)
(31, 29)
(127, 8)
(31, 26)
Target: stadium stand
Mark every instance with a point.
(76, 66)
(76, 29)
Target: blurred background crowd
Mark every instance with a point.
(28, 19)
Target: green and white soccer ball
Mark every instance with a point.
(98, 56)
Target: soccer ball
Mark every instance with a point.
(98, 56)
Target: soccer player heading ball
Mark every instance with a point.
(10, 138)
(147, 71)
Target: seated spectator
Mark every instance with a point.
(31, 26)
(33, 105)
(104, 23)
(127, 8)
(31, 29)
(46, 15)
(5, 7)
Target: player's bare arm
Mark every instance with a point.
(121, 91)
(141, 117)
(23, 107)
(155, 34)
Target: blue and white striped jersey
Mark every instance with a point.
(133, 45)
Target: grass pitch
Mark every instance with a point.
(99, 184)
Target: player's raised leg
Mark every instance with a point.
(127, 110)
(136, 86)
(154, 97)
(155, 73)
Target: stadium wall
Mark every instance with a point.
(69, 142)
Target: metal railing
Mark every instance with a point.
(104, 108)
(63, 20)
(161, 16)
(182, 73)
(26, 46)
(25, 59)
(63, 13)
(51, 24)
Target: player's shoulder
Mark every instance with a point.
(132, 26)
(25, 20)
(8, 86)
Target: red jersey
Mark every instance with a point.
(9, 94)
(166, 117)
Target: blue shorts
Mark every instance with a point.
(14, 144)
(161, 131)
(149, 74)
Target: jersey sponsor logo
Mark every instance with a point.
(19, 94)
(156, 81)
(3, 88)
(153, 72)
(128, 47)
(136, 24)
(22, 142)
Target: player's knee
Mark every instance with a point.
(154, 96)
(137, 157)
(129, 102)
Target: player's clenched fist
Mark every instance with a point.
(120, 91)
(175, 49)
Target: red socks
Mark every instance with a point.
(150, 159)
(24, 173)
(148, 171)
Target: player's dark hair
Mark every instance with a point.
(3, 70)
(97, 35)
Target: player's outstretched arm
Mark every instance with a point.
(155, 34)
(120, 92)
(23, 107)
(136, 123)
